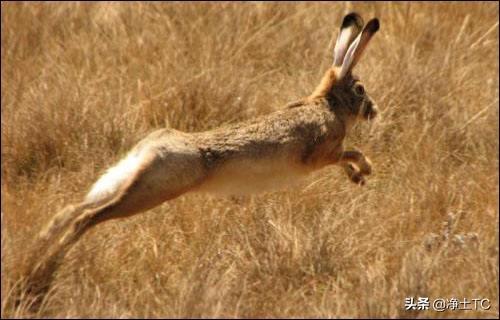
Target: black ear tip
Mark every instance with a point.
(352, 19)
(373, 25)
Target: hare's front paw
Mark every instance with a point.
(357, 160)
(358, 178)
(366, 166)
(355, 174)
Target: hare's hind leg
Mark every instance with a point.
(60, 222)
(163, 173)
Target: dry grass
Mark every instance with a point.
(81, 83)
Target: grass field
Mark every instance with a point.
(82, 82)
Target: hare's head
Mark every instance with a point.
(343, 90)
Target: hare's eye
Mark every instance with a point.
(359, 90)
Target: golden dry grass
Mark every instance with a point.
(81, 83)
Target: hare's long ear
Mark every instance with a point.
(350, 28)
(358, 46)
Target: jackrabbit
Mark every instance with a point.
(247, 157)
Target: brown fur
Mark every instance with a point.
(326, 84)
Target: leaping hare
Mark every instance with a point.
(250, 156)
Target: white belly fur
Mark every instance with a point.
(243, 177)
